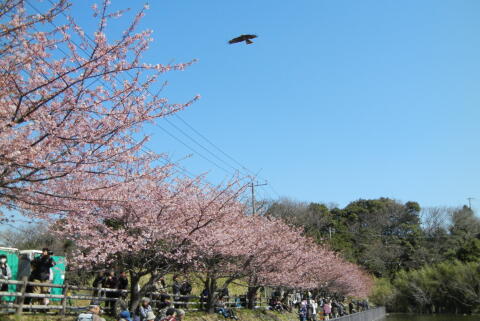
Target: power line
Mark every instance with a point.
(199, 144)
(173, 125)
(163, 129)
(212, 144)
(195, 151)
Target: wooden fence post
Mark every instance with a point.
(21, 299)
(64, 299)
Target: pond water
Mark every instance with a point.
(419, 317)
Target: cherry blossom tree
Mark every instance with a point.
(267, 252)
(155, 226)
(70, 103)
(229, 250)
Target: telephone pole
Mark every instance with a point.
(253, 185)
(470, 202)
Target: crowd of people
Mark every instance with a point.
(162, 306)
(114, 286)
(143, 313)
(116, 282)
(309, 306)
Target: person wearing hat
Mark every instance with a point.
(5, 274)
(125, 316)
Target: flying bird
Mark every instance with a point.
(245, 38)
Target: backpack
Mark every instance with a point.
(85, 317)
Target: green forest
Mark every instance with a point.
(424, 260)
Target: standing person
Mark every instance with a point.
(111, 282)
(176, 290)
(185, 291)
(122, 283)
(327, 309)
(98, 283)
(41, 266)
(161, 285)
(341, 307)
(297, 299)
(335, 308)
(302, 311)
(5, 274)
(312, 309)
(204, 298)
(350, 307)
(365, 304)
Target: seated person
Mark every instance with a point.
(93, 314)
(125, 316)
(170, 315)
(227, 313)
(180, 315)
(144, 308)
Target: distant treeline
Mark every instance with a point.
(449, 287)
(425, 260)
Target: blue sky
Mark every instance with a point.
(336, 100)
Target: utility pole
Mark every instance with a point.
(470, 202)
(253, 185)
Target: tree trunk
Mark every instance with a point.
(251, 295)
(211, 285)
(134, 293)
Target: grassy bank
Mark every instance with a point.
(244, 315)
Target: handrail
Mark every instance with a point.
(21, 294)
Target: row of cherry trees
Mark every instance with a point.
(161, 226)
(71, 105)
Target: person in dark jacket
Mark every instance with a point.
(122, 283)
(111, 282)
(41, 266)
(185, 291)
(204, 298)
(176, 290)
(98, 283)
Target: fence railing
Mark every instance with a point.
(77, 298)
(367, 315)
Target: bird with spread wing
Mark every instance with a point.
(246, 38)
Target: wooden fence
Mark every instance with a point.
(83, 296)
